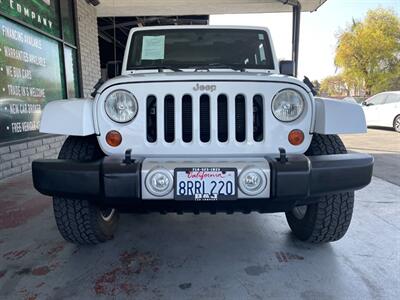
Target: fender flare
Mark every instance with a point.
(338, 116)
(68, 117)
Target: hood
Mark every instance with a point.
(201, 76)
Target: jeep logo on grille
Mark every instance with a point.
(205, 87)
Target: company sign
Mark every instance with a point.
(42, 14)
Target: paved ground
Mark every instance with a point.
(201, 257)
(384, 145)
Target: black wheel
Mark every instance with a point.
(396, 123)
(80, 221)
(328, 219)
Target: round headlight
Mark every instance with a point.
(287, 105)
(121, 106)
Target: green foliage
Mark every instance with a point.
(369, 51)
(333, 86)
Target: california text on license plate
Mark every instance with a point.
(205, 184)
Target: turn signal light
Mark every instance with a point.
(114, 138)
(296, 137)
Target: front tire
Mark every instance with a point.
(396, 123)
(80, 221)
(328, 219)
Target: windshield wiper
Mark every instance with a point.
(159, 68)
(219, 66)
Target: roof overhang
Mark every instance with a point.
(122, 8)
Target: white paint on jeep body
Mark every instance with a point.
(201, 77)
(335, 116)
(68, 117)
(230, 84)
(86, 117)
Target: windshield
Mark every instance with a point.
(200, 48)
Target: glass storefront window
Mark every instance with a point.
(67, 17)
(38, 62)
(71, 72)
(30, 72)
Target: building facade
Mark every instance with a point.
(49, 50)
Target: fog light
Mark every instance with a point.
(252, 181)
(296, 137)
(159, 182)
(114, 138)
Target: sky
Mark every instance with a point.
(318, 31)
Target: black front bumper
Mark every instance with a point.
(111, 182)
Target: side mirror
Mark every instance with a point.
(286, 67)
(113, 69)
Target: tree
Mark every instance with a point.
(334, 86)
(369, 51)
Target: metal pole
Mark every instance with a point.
(296, 36)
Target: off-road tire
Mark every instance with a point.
(80, 221)
(328, 219)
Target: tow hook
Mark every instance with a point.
(282, 156)
(128, 157)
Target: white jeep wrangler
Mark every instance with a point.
(203, 119)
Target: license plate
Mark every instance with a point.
(205, 184)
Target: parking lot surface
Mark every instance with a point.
(384, 145)
(203, 257)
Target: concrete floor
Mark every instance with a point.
(200, 257)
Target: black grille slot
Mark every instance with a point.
(204, 118)
(240, 118)
(151, 119)
(187, 117)
(169, 119)
(222, 118)
(258, 118)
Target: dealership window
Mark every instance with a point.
(38, 62)
(71, 72)
(68, 21)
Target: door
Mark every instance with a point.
(372, 108)
(389, 110)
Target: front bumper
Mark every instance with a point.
(112, 183)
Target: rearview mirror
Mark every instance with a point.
(286, 67)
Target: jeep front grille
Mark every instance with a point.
(187, 119)
(169, 119)
(222, 118)
(205, 118)
(258, 118)
(205, 115)
(151, 119)
(240, 118)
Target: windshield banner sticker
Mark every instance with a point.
(153, 47)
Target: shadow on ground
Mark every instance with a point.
(200, 257)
